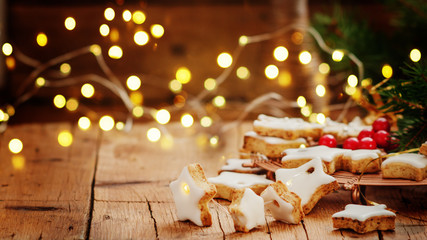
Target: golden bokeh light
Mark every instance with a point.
(109, 14)
(206, 121)
(106, 123)
(120, 126)
(306, 111)
(136, 98)
(166, 142)
(387, 71)
(304, 57)
(70, 23)
(175, 86)
(104, 30)
(84, 123)
(297, 38)
(18, 162)
(219, 101)
(115, 52)
(324, 68)
(210, 84)
(183, 75)
(320, 90)
(141, 38)
(126, 15)
(40, 82)
(157, 30)
(65, 138)
(301, 101)
(138, 17)
(10, 62)
(415, 55)
(352, 80)
(87, 90)
(243, 40)
(224, 60)
(337, 55)
(243, 73)
(321, 118)
(214, 141)
(95, 49)
(138, 111)
(65, 68)
(2, 116)
(271, 71)
(154, 134)
(350, 90)
(41, 39)
(163, 116)
(7, 49)
(59, 101)
(15, 145)
(281, 53)
(187, 120)
(72, 104)
(133, 83)
(366, 82)
(285, 78)
(179, 101)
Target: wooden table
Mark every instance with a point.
(114, 185)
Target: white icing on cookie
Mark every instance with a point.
(303, 183)
(187, 195)
(235, 164)
(414, 159)
(252, 208)
(284, 123)
(239, 180)
(275, 140)
(327, 154)
(282, 211)
(343, 130)
(360, 154)
(363, 212)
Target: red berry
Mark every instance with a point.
(367, 143)
(351, 143)
(382, 138)
(328, 140)
(381, 124)
(365, 133)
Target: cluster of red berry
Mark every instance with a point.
(379, 137)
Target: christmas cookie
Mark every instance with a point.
(360, 160)
(342, 131)
(236, 165)
(287, 128)
(406, 165)
(247, 210)
(295, 157)
(309, 182)
(423, 148)
(272, 147)
(284, 205)
(191, 193)
(364, 219)
(227, 182)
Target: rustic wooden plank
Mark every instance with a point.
(49, 187)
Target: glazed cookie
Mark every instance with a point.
(287, 128)
(236, 165)
(295, 157)
(423, 148)
(247, 210)
(361, 159)
(284, 205)
(411, 166)
(309, 182)
(227, 182)
(272, 147)
(363, 219)
(342, 131)
(192, 193)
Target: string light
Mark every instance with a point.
(206, 121)
(70, 23)
(65, 68)
(106, 123)
(138, 111)
(84, 123)
(87, 90)
(415, 55)
(187, 120)
(183, 75)
(271, 71)
(210, 84)
(157, 30)
(163, 116)
(141, 38)
(243, 40)
(337, 55)
(104, 30)
(7, 49)
(280, 53)
(175, 86)
(109, 14)
(15, 145)
(40, 82)
(72, 104)
(320, 90)
(306, 111)
(41, 39)
(352, 81)
(154, 135)
(214, 141)
(285, 78)
(320, 118)
(120, 126)
(301, 101)
(305, 57)
(349, 90)
(243, 73)
(224, 60)
(133, 83)
(219, 101)
(136, 98)
(65, 138)
(324, 68)
(138, 17)
(115, 52)
(59, 101)
(18, 162)
(387, 71)
(127, 15)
